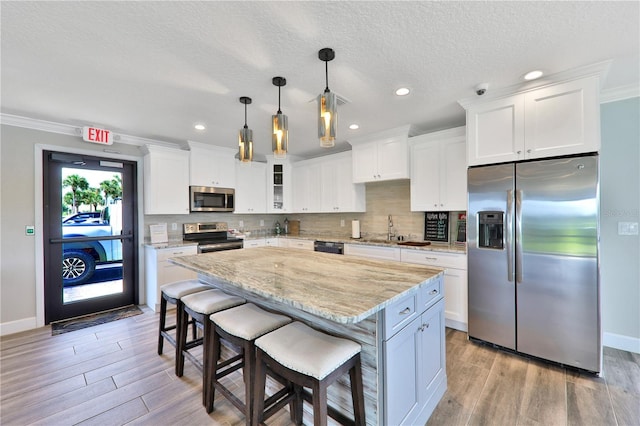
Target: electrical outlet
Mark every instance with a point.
(241, 223)
(174, 226)
(261, 222)
(342, 222)
(627, 228)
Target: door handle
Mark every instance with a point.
(508, 228)
(519, 271)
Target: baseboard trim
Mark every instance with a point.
(625, 343)
(17, 326)
(461, 326)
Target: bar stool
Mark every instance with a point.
(239, 326)
(172, 293)
(199, 306)
(307, 358)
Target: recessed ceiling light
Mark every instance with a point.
(532, 75)
(354, 126)
(403, 91)
(199, 126)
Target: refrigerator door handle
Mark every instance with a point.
(519, 236)
(508, 224)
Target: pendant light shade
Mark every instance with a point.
(327, 105)
(280, 125)
(245, 136)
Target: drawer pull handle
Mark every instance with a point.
(405, 311)
(434, 291)
(177, 252)
(431, 258)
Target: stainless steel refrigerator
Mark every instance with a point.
(533, 258)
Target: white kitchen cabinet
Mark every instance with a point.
(166, 180)
(306, 187)
(558, 119)
(338, 192)
(251, 188)
(372, 251)
(159, 271)
(299, 243)
(272, 242)
(439, 171)
(279, 186)
(380, 157)
(212, 165)
(253, 243)
(415, 366)
(455, 281)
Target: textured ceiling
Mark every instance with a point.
(153, 69)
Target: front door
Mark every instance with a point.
(90, 244)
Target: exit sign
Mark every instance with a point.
(96, 135)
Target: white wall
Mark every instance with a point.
(620, 202)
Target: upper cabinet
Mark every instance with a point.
(557, 119)
(382, 156)
(439, 171)
(166, 180)
(323, 185)
(251, 189)
(279, 185)
(338, 193)
(212, 165)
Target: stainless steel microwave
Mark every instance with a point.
(210, 199)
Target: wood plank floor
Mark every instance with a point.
(110, 374)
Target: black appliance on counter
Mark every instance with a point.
(328, 247)
(211, 236)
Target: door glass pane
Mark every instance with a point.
(91, 208)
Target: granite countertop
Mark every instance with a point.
(170, 244)
(449, 248)
(343, 289)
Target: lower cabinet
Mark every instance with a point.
(455, 281)
(415, 367)
(373, 252)
(159, 271)
(260, 242)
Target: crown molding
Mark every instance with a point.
(68, 129)
(620, 93)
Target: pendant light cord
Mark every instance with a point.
(326, 73)
(279, 112)
(245, 117)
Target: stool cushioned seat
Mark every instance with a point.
(248, 321)
(179, 289)
(210, 301)
(317, 354)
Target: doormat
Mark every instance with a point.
(79, 323)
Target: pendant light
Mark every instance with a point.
(327, 105)
(280, 134)
(245, 136)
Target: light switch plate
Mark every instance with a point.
(261, 222)
(342, 222)
(627, 228)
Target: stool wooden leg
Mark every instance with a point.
(211, 348)
(259, 389)
(357, 392)
(181, 339)
(319, 403)
(163, 319)
(297, 405)
(207, 326)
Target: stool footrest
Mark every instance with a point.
(196, 362)
(277, 401)
(193, 343)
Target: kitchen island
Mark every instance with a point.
(394, 310)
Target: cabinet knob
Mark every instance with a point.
(434, 291)
(529, 151)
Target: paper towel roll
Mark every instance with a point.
(355, 229)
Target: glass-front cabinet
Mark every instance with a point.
(279, 186)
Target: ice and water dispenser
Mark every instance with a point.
(490, 230)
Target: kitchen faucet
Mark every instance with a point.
(390, 233)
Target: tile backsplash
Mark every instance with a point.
(383, 199)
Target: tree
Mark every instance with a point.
(112, 188)
(92, 198)
(75, 182)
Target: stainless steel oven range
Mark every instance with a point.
(211, 236)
